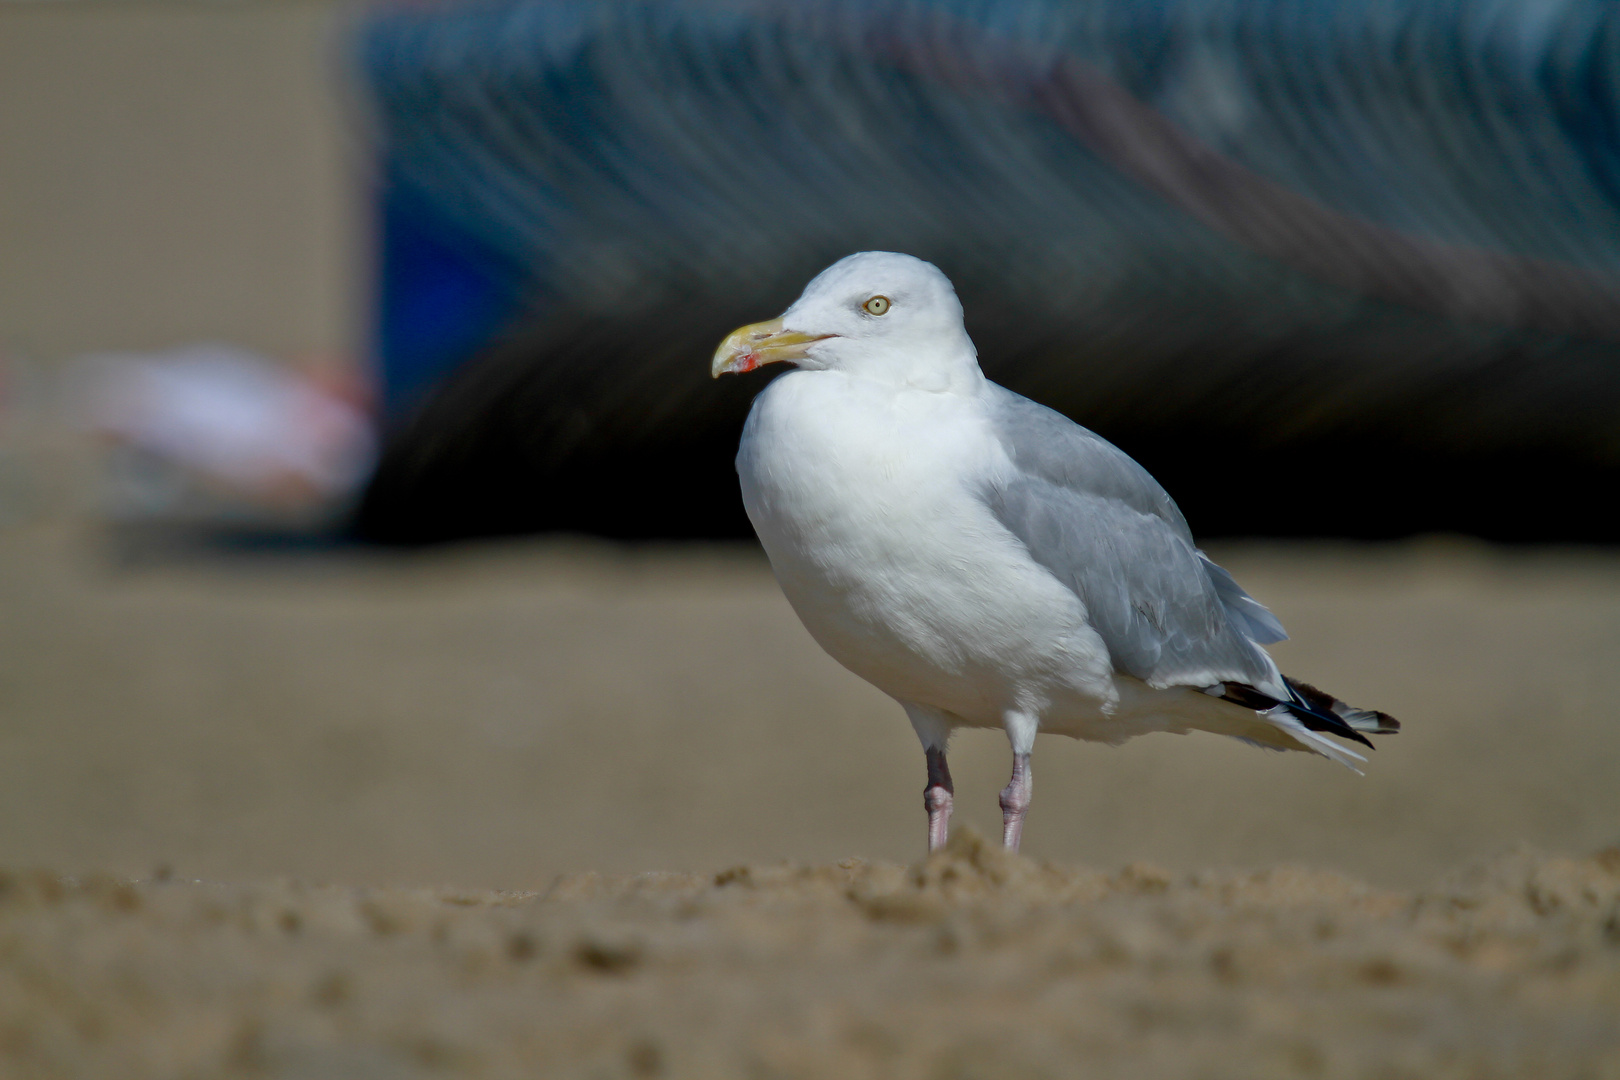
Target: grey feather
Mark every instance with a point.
(1046, 444)
(1250, 614)
(1105, 528)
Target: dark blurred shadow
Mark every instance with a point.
(1325, 270)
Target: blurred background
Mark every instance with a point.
(367, 513)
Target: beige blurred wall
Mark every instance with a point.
(175, 172)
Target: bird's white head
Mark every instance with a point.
(875, 314)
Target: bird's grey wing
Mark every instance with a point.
(1252, 617)
(1044, 443)
(1105, 528)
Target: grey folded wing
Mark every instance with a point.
(1105, 528)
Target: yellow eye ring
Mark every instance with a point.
(876, 306)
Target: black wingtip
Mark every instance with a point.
(1317, 710)
(1341, 729)
(1320, 702)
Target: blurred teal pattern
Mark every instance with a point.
(1365, 248)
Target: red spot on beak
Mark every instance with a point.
(746, 363)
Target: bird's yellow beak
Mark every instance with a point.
(760, 343)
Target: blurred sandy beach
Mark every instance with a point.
(494, 715)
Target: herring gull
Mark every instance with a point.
(982, 559)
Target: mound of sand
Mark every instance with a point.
(972, 963)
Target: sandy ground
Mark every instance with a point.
(972, 964)
(470, 812)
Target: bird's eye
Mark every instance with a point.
(877, 305)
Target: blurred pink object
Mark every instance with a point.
(232, 423)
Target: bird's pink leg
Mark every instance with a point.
(938, 798)
(1015, 802)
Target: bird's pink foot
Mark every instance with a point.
(938, 799)
(1015, 803)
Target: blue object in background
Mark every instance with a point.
(443, 295)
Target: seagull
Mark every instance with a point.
(982, 559)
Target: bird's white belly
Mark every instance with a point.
(869, 507)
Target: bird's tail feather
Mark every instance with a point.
(1285, 719)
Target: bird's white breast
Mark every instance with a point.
(869, 501)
